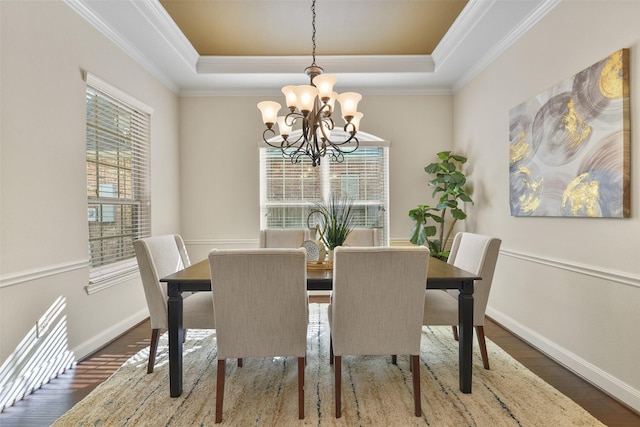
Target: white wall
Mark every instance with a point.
(43, 205)
(219, 162)
(571, 286)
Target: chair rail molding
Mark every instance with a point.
(41, 273)
(223, 243)
(575, 267)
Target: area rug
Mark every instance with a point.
(375, 392)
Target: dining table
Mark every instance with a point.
(440, 275)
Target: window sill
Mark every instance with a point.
(101, 278)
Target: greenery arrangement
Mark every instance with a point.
(336, 221)
(431, 221)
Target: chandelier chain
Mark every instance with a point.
(313, 34)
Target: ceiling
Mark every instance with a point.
(342, 27)
(254, 47)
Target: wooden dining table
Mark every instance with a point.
(440, 275)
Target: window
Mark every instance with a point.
(288, 192)
(118, 196)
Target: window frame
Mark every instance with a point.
(110, 274)
(366, 140)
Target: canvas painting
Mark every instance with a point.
(569, 146)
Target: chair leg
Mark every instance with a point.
(301, 364)
(330, 350)
(394, 359)
(455, 332)
(240, 362)
(415, 368)
(220, 389)
(483, 346)
(338, 385)
(155, 336)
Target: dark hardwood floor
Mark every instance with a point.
(47, 404)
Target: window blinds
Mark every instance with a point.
(118, 190)
(289, 192)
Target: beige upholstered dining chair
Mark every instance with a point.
(377, 307)
(283, 237)
(260, 299)
(476, 254)
(158, 257)
(362, 237)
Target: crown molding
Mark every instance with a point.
(333, 63)
(166, 28)
(512, 37)
(461, 30)
(87, 10)
(144, 30)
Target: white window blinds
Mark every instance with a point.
(288, 192)
(118, 191)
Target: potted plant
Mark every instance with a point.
(336, 221)
(431, 222)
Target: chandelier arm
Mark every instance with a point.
(283, 145)
(352, 138)
(324, 110)
(294, 143)
(266, 139)
(350, 149)
(296, 149)
(291, 118)
(330, 122)
(350, 128)
(329, 126)
(337, 156)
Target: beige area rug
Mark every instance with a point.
(375, 392)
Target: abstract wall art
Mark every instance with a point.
(569, 146)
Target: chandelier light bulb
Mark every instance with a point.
(332, 102)
(324, 83)
(306, 97)
(284, 128)
(269, 111)
(349, 104)
(290, 96)
(355, 121)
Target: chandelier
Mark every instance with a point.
(311, 106)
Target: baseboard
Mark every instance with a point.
(591, 373)
(106, 336)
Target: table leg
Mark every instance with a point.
(174, 308)
(465, 319)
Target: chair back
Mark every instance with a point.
(363, 237)
(283, 237)
(378, 300)
(158, 257)
(476, 254)
(260, 302)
